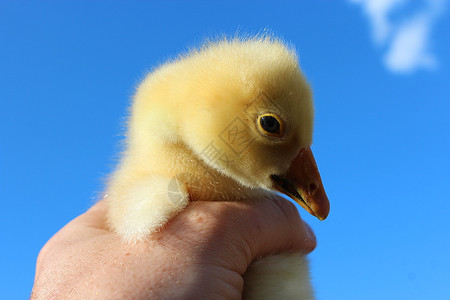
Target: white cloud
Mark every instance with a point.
(408, 48)
(378, 13)
(406, 42)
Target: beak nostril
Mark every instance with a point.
(312, 188)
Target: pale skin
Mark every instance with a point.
(202, 253)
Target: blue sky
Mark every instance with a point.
(380, 71)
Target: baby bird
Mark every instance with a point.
(228, 122)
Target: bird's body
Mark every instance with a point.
(225, 123)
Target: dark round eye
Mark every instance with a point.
(270, 124)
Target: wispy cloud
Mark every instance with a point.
(404, 36)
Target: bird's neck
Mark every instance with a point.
(203, 182)
(211, 185)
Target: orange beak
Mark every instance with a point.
(303, 184)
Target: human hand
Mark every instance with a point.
(202, 253)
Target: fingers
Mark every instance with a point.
(235, 233)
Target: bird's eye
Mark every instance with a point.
(270, 124)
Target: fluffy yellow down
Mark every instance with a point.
(193, 135)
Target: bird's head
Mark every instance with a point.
(246, 111)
